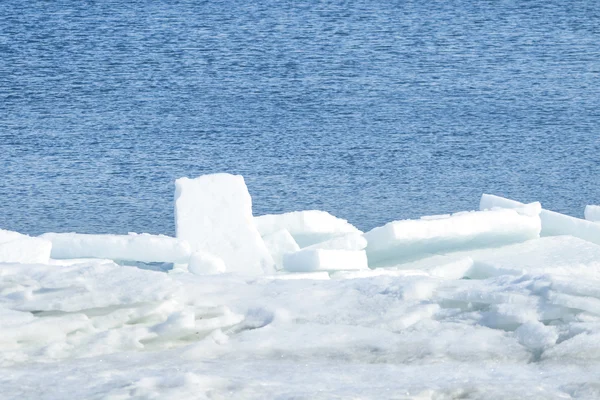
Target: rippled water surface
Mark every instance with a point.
(370, 110)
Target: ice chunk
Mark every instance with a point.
(307, 260)
(9, 236)
(25, 250)
(132, 247)
(592, 213)
(410, 239)
(553, 223)
(536, 336)
(490, 202)
(280, 243)
(214, 214)
(349, 241)
(203, 263)
(307, 227)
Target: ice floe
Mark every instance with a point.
(469, 305)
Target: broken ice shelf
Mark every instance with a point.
(257, 306)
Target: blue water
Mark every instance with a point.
(371, 110)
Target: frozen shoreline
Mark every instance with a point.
(502, 302)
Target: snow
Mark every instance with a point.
(400, 241)
(553, 223)
(307, 227)
(132, 247)
(214, 214)
(470, 305)
(592, 213)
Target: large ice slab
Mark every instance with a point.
(308, 260)
(401, 241)
(214, 214)
(592, 213)
(132, 247)
(25, 250)
(307, 227)
(553, 223)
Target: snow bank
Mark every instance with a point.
(18, 248)
(132, 247)
(409, 239)
(553, 223)
(307, 227)
(592, 213)
(307, 260)
(214, 214)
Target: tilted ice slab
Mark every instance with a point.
(311, 259)
(132, 247)
(409, 239)
(553, 223)
(214, 214)
(307, 227)
(490, 201)
(18, 248)
(592, 213)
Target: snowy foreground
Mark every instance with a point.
(493, 304)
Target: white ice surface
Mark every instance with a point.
(553, 223)
(280, 243)
(145, 334)
(203, 263)
(8, 236)
(592, 213)
(310, 259)
(306, 227)
(402, 241)
(132, 247)
(512, 321)
(18, 248)
(213, 213)
(348, 241)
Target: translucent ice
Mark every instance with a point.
(409, 239)
(132, 247)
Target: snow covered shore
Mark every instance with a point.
(501, 302)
